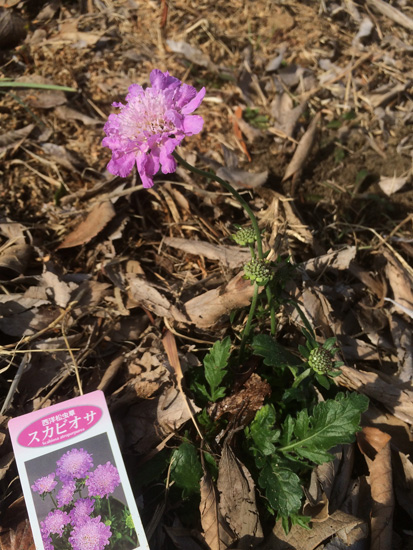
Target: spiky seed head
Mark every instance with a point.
(258, 271)
(244, 236)
(321, 360)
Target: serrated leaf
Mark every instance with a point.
(186, 469)
(261, 430)
(215, 366)
(332, 422)
(282, 489)
(274, 354)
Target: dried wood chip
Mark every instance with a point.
(217, 533)
(303, 150)
(395, 397)
(381, 484)
(229, 256)
(392, 13)
(237, 499)
(95, 222)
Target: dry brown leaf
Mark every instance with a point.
(18, 538)
(195, 55)
(95, 222)
(242, 178)
(339, 259)
(14, 138)
(303, 150)
(66, 113)
(392, 13)
(12, 29)
(237, 499)
(400, 280)
(403, 481)
(146, 295)
(229, 256)
(207, 309)
(68, 32)
(393, 184)
(380, 479)
(217, 533)
(346, 527)
(40, 98)
(14, 260)
(401, 332)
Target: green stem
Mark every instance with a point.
(109, 510)
(272, 310)
(249, 321)
(252, 250)
(229, 188)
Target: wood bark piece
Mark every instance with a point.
(398, 399)
(205, 310)
(237, 499)
(392, 13)
(229, 256)
(381, 485)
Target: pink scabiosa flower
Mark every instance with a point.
(54, 522)
(92, 534)
(44, 484)
(65, 495)
(103, 481)
(74, 464)
(152, 123)
(81, 510)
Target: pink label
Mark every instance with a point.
(59, 426)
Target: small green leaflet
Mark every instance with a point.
(261, 431)
(215, 366)
(332, 422)
(275, 355)
(282, 488)
(186, 469)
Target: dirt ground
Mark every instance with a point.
(308, 113)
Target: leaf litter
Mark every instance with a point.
(326, 164)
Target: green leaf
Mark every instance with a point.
(261, 431)
(323, 380)
(215, 365)
(8, 83)
(282, 488)
(332, 422)
(275, 355)
(186, 469)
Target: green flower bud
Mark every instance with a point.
(245, 236)
(258, 271)
(321, 360)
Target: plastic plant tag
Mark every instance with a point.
(74, 482)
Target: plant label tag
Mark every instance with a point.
(74, 482)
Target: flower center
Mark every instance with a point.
(144, 116)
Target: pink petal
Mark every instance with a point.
(186, 93)
(121, 164)
(193, 124)
(194, 103)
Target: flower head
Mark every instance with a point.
(44, 484)
(103, 481)
(152, 123)
(65, 495)
(258, 271)
(92, 534)
(74, 464)
(54, 522)
(81, 510)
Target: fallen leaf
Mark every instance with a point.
(40, 98)
(393, 184)
(237, 499)
(381, 485)
(229, 256)
(217, 533)
(241, 178)
(12, 29)
(95, 222)
(14, 260)
(194, 55)
(14, 138)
